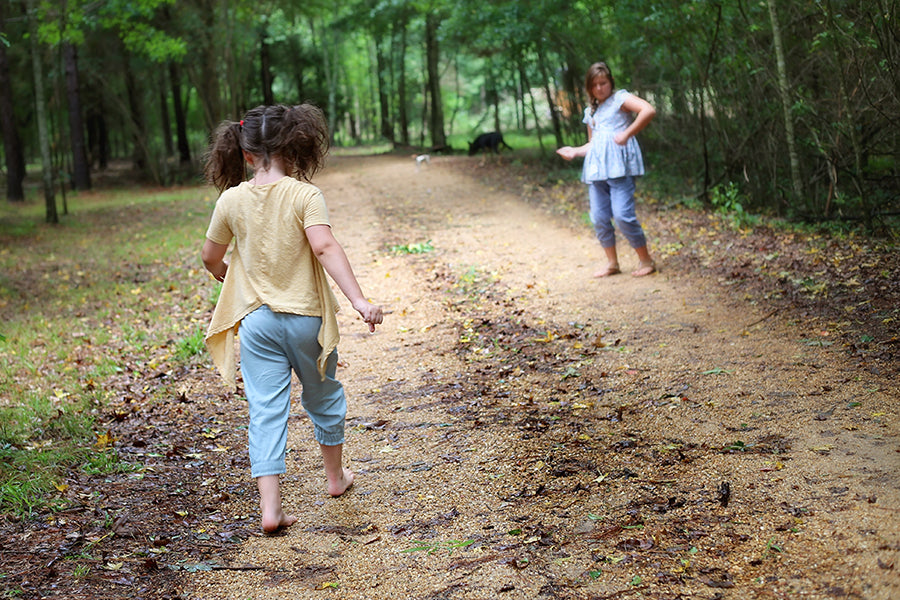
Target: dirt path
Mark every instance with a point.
(522, 430)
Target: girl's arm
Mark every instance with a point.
(332, 256)
(645, 113)
(569, 152)
(213, 256)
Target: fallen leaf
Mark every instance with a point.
(328, 584)
(104, 440)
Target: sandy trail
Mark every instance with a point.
(458, 453)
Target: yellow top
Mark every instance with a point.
(271, 263)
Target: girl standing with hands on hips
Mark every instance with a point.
(612, 160)
(275, 289)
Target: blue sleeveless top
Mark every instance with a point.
(605, 158)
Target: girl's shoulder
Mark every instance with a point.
(295, 185)
(302, 195)
(302, 190)
(233, 194)
(619, 97)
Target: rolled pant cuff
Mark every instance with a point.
(268, 467)
(334, 439)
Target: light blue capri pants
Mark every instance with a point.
(613, 199)
(272, 345)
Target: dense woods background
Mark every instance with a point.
(785, 107)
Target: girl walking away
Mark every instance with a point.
(275, 290)
(612, 160)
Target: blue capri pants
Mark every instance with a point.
(272, 346)
(613, 200)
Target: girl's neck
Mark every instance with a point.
(263, 176)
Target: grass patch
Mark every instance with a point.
(111, 295)
(413, 248)
(191, 345)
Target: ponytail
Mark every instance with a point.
(225, 161)
(303, 142)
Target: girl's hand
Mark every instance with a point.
(213, 256)
(567, 152)
(371, 313)
(621, 138)
(222, 272)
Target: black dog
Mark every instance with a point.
(488, 141)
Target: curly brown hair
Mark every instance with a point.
(594, 71)
(297, 135)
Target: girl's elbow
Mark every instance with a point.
(322, 249)
(208, 258)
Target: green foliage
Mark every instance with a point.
(81, 571)
(132, 20)
(729, 202)
(106, 463)
(517, 67)
(413, 248)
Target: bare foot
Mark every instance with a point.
(275, 522)
(644, 268)
(336, 488)
(611, 269)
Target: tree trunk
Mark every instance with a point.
(209, 58)
(98, 137)
(554, 113)
(265, 68)
(52, 216)
(537, 122)
(707, 176)
(402, 114)
(432, 52)
(143, 161)
(165, 119)
(572, 86)
(494, 94)
(12, 143)
(381, 64)
(329, 66)
(851, 125)
(81, 170)
(521, 105)
(184, 148)
(785, 93)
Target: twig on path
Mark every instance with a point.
(623, 592)
(236, 568)
(214, 567)
(758, 321)
(472, 561)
